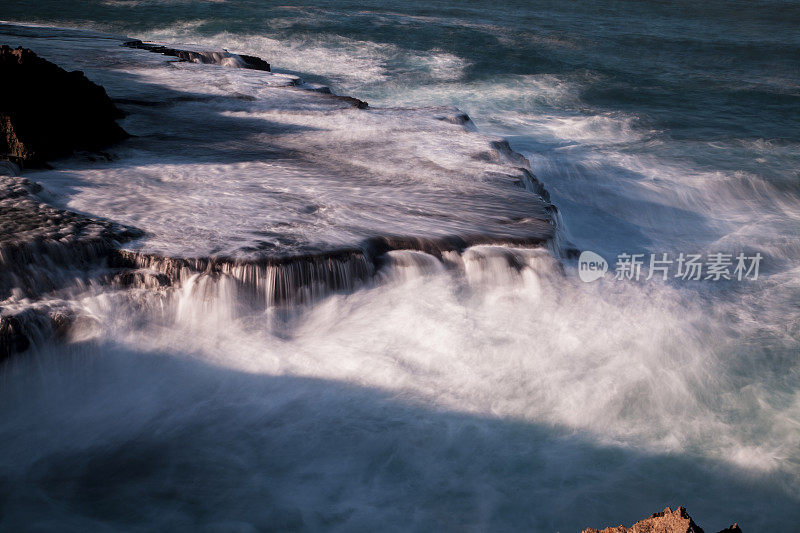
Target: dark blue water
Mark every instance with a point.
(685, 89)
(656, 127)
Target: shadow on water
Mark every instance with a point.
(103, 439)
(173, 125)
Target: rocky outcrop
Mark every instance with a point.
(43, 248)
(295, 279)
(47, 112)
(219, 58)
(667, 521)
(48, 253)
(39, 241)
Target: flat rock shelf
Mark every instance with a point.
(230, 169)
(247, 163)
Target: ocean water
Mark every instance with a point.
(476, 397)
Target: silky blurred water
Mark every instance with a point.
(482, 397)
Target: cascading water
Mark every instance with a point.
(432, 378)
(444, 386)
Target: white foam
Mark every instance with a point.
(503, 332)
(345, 61)
(237, 162)
(500, 382)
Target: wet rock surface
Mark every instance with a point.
(37, 239)
(43, 248)
(25, 218)
(219, 58)
(667, 521)
(238, 162)
(265, 282)
(47, 112)
(309, 175)
(21, 327)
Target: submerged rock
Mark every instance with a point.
(47, 112)
(667, 521)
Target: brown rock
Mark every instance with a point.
(47, 112)
(667, 521)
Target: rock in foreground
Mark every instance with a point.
(667, 521)
(47, 112)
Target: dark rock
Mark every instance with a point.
(531, 183)
(459, 118)
(41, 245)
(47, 112)
(255, 63)
(61, 321)
(245, 61)
(141, 279)
(20, 329)
(504, 149)
(355, 102)
(352, 102)
(12, 337)
(290, 280)
(667, 521)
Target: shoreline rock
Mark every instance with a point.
(47, 112)
(667, 521)
(46, 250)
(43, 248)
(215, 58)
